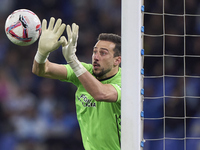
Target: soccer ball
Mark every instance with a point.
(23, 27)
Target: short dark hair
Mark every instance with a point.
(116, 39)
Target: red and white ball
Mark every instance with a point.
(23, 27)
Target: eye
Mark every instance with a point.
(103, 53)
(94, 51)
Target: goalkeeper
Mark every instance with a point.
(98, 95)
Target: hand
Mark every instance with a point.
(49, 39)
(69, 47)
(69, 50)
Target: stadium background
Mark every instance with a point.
(38, 113)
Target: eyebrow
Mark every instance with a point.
(102, 48)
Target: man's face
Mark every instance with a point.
(103, 59)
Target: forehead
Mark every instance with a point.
(105, 45)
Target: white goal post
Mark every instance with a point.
(131, 106)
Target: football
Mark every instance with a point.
(23, 27)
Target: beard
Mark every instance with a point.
(101, 73)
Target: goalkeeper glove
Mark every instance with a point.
(49, 39)
(69, 50)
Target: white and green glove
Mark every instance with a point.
(69, 50)
(49, 39)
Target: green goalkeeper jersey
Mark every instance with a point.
(100, 122)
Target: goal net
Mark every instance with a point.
(169, 48)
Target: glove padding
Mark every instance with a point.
(69, 47)
(49, 39)
(69, 50)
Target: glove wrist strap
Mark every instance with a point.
(77, 67)
(41, 59)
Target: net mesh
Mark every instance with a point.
(171, 78)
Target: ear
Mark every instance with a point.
(117, 61)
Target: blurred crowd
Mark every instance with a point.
(38, 113)
(172, 75)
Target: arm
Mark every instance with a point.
(49, 70)
(48, 42)
(99, 91)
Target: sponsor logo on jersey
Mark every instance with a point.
(86, 102)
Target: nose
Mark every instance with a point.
(96, 56)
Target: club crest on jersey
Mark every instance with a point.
(86, 102)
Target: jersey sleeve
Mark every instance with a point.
(118, 88)
(71, 77)
(116, 83)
